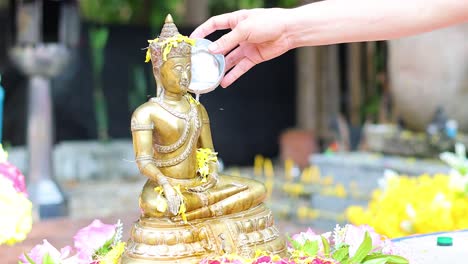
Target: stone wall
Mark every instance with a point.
(86, 160)
(428, 71)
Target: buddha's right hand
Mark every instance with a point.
(173, 198)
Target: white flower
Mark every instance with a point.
(410, 212)
(339, 235)
(457, 181)
(388, 176)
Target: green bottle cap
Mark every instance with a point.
(444, 241)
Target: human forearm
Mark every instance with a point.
(338, 21)
(258, 35)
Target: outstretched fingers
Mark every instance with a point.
(224, 21)
(234, 57)
(242, 67)
(230, 40)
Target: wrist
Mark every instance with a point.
(162, 180)
(290, 27)
(316, 24)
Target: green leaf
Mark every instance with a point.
(102, 251)
(311, 248)
(341, 254)
(375, 259)
(29, 259)
(393, 259)
(382, 259)
(379, 260)
(296, 245)
(47, 259)
(346, 261)
(326, 246)
(363, 250)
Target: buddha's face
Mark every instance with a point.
(176, 74)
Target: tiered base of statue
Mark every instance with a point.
(163, 241)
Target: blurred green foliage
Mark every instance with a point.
(223, 6)
(137, 93)
(153, 12)
(98, 37)
(288, 3)
(143, 12)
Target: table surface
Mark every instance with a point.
(423, 249)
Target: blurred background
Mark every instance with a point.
(318, 117)
(106, 77)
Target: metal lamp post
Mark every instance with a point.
(41, 62)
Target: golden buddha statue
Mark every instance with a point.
(189, 211)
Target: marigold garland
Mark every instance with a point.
(205, 156)
(168, 44)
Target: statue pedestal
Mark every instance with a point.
(163, 241)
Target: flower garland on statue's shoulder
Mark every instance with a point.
(15, 207)
(441, 203)
(97, 243)
(344, 245)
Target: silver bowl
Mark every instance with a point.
(207, 69)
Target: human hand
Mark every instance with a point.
(173, 198)
(212, 180)
(257, 35)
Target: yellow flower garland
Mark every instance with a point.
(414, 205)
(167, 45)
(161, 203)
(204, 157)
(113, 256)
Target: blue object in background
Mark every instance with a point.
(2, 98)
(451, 129)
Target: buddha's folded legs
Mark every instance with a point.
(251, 196)
(230, 195)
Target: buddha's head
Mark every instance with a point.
(170, 55)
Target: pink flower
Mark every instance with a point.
(322, 261)
(310, 235)
(89, 239)
(355, 236)
(302, 237)
(39, 251)
(263, 259)
(13, 174)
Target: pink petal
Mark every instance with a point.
(310, 232)
(263, 259)
(38, 252)
(92, 237)
(12, 173)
